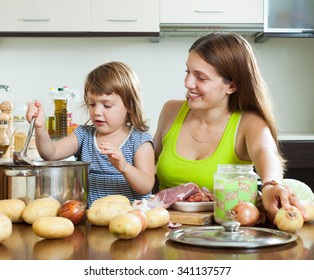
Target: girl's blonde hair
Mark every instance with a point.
(118, 78)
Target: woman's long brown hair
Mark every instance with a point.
(233, 58)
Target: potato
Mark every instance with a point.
(53, 227)
(125, 226)
(5, 227)
(157, 217)
(100, 214)
(42, 207)
(113, 198)
(13, 208)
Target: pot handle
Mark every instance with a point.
(21, 172)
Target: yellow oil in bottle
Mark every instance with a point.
(3, 149)
(60, 118)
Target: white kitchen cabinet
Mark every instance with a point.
(44, 15)
(125, 15)
(211, 11)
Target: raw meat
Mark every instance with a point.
(204, 195)
(167, 197)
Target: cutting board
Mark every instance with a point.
(191, 218)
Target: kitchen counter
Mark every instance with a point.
(96, 243)
(285, 136)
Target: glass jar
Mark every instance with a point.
(21, 127)
(233, 183)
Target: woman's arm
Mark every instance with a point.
(259, 146)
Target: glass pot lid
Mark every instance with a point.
(231, 235)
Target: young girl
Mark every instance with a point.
(117, 144)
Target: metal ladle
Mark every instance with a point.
(21, 157)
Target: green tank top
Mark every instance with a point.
(173, 170)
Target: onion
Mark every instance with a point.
(246, 213)
(289, 219)
(73, 210)
(142, 216)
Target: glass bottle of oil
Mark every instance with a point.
(60, 117)
(4, 138)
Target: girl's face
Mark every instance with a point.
(107, 112)
(206, 88)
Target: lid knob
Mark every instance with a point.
(231, 226)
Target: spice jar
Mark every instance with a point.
(21, 127)
(233, 183)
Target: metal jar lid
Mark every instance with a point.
(231, 235)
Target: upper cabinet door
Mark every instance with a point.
(125, 15)
(211, 11)
(44, 15)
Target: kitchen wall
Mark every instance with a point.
(32, 65)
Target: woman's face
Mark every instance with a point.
(206, 88)
(107, 112)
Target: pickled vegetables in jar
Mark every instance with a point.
(233, 183)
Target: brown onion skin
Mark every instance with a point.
(142, 216)
(246, 213)
(289, 219)
(73, 210)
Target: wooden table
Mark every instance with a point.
(96, 243)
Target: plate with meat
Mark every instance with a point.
(200, 206)
(200, 201)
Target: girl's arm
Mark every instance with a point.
(47, 149)
(141, 176)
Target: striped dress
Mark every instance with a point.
(104, 178)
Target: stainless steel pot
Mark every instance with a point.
(62, 180)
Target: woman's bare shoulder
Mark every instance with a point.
(167, 116)
(251, 118)
(172, 107)
(251, 123)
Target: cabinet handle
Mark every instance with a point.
(208, 12)
(121, 20)
(36, 19)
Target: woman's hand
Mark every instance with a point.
(115, 156)
(279, 196)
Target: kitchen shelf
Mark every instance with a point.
(263, 36)
(79, 34)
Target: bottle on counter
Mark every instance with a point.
(60, 114)
(4, 138)
(7, 107)
(233, 183)
(50, 119)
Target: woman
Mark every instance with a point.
(227, 118)
(117, 144)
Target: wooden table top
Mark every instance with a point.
(96, 243)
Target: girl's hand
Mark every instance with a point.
(115, 156)
(36, 110)
(279, 196)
